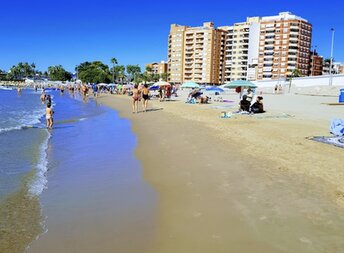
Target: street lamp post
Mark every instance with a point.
(331, 59)
(314, 50)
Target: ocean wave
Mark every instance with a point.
(28, 119)
(5, 88)
(40, 182)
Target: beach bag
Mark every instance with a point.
(337, 127)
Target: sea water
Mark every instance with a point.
(23, 165)
(48, 176)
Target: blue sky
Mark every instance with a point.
(135, 32)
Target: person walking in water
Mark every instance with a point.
(49, 116)
(135, 98)
(43, 97)
(145, 96)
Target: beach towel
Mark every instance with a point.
(337, 127)
(337, 141)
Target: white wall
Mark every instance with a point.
(337, 80)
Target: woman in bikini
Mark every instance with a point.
(145, 96)
(49, 116)
(135, 98)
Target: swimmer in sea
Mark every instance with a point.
(43, 97)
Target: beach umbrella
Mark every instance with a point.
(111, 85)
(239, 83)
(154, 87)
(102, 84)
(214, 89)
(190, 85)
(161, 83)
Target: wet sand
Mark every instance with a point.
(96, 200)
(238, 185)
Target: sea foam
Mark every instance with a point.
(40, 182)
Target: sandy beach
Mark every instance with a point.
(248, 183)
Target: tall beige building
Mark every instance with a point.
(196, 54)
(284, 45)
(260, 48)
(241, 51)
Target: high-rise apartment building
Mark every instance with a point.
(260, 48)
(284, 45)
(176, 53)
(196, 54)
(241, 51)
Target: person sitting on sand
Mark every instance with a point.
(49, 116)
(245, 104)
(203, 100)
(249, 95)
(258, 106)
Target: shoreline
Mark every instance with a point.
(96, 200)
(189, 169)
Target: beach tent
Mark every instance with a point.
(102, 84)
(111, 85)
(239, 83)
(161, 83)
(190, 85)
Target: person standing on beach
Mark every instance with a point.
(135, 99)
(145, 96)
(161, 94)
(49, 116)
(95, 90)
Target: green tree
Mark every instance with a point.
(133, 72)
(149, 69)
(164, 76)
(3, 75)
(114, 62)
(119, 72)
(58, 73)
(94, 72)
(294, 73)
(21, 70)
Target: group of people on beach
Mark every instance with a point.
(246, 104)
(138, 94)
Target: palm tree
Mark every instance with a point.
(114, 62)
(295, 73)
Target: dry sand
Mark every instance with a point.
(245, 184)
